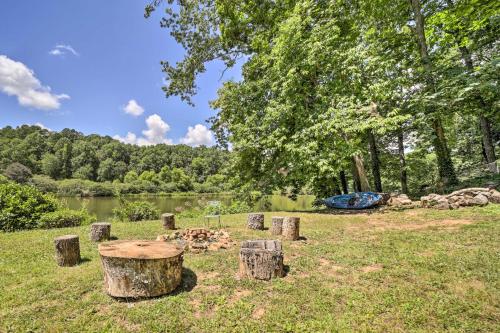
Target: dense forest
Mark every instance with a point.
(402, 95)
(86, 164)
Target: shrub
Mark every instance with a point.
(45, 183)
(21, 206)
(136, 211)
(18, 173)
(65, 218)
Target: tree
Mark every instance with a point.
(51, 165)
(131, 177)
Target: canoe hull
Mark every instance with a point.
(359, 200)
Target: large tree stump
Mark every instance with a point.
(277, 225)
(255, 221)
(168, 221)
(291, 228)
(67, 250)
(138, 269)
(261, 259)
(100, 231)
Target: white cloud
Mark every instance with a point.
(197, 136)
(133, 108)
(18, 80)
(61, 49)
(42, 126)
(155, 134)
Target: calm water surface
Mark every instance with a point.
(103, 207)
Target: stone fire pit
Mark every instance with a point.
(138, 269)
(199, 239)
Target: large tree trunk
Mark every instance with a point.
(445, 164)
(375, 161)
(359, 174)
(137, 269)
(402, 163)
(261, 259)
(489, 149)
(484, 123)
(343, 181)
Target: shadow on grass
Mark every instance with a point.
(332, 211)
(286, 270)
(83, 260)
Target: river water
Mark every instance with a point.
(103, 207)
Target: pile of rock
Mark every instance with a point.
(475, 196)
(399, 200)
(199, 239)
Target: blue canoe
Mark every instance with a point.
(359, 200)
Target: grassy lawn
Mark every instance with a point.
(417, 270)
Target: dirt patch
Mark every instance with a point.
(258, 313)
(372, 268)
(427, 254)
(324, 262)
(201, 276)
(198, 313)
(209, 287)
(382, 225)
(239, 294)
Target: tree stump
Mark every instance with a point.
(277, 225)
(139, 269)
(67, 250)
(100, 231)
(168, 221)
(261, 259)
(291, 228)
(255, 221)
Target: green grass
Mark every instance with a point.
(412, 271)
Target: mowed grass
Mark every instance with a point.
(416, 270)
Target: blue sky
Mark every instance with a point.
(98, 58)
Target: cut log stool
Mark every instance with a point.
(168, 221)
(261, 259)
(139, 269)
(291, 228)
(100, 231)
(255, 221)
(277, 225)
(67, 250)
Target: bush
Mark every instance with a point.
(45, 183)
(65, 218)
(136, 211)
(21, 206)
(18, 173)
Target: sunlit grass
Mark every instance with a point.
(418, 270)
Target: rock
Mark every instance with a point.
(162, 238)
(442, 204)
(399, 200)
(431, 200)
(494, 196)
(480, 200)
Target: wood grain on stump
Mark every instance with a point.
(67, 250)
(261, 259)
(277, 225)
(100, 231)
(291, 228)
(168, 221)
(255, 221)
(138, 269)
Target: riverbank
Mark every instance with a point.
(420, 269)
